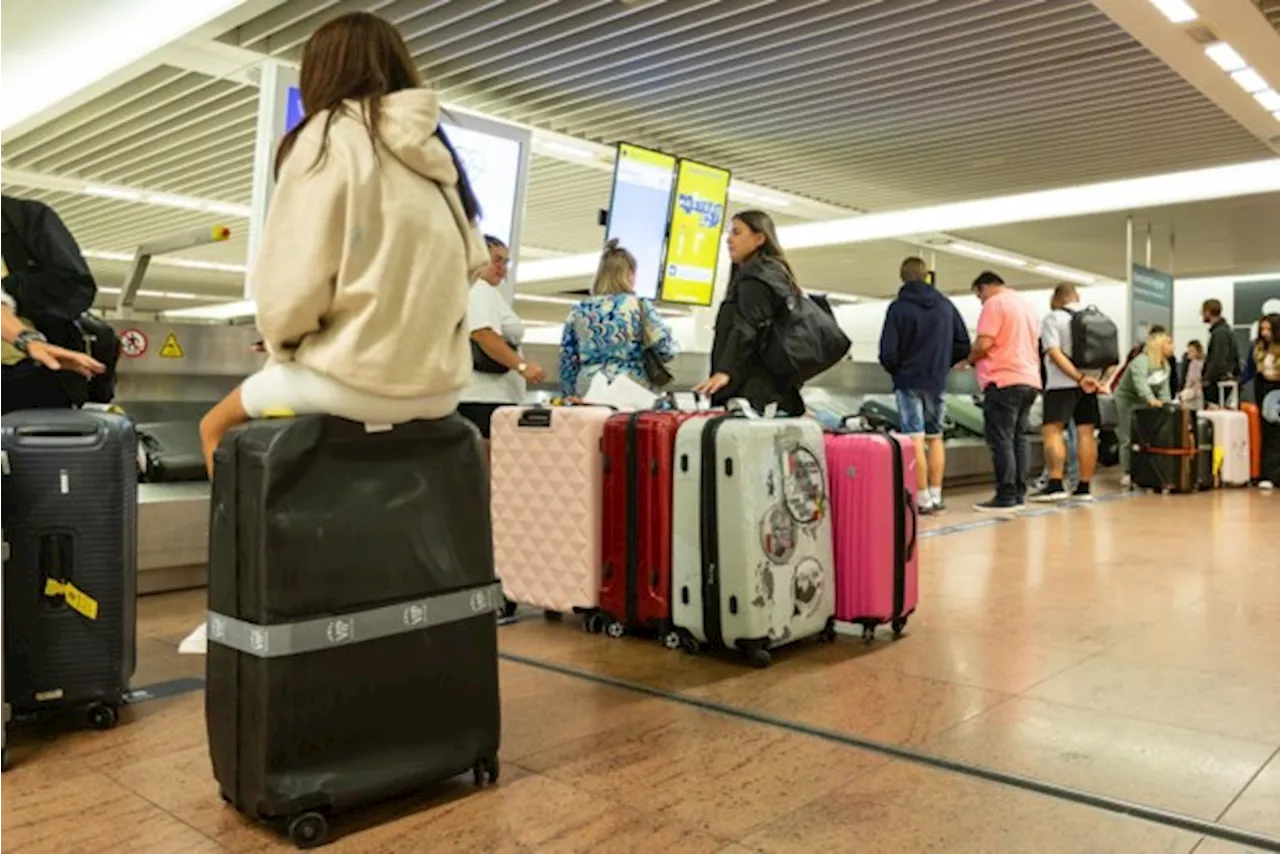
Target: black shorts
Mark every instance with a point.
(1070, 404)
(480, 414)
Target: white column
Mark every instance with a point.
(274, 83)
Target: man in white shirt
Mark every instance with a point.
(1071, 394)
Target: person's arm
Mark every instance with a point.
(1250, 367)
(659, 338)
(989, 322)
(756, 306)
(1139, 373)
(52, 356)
(11, 327)
(301, 248)
(1051, 341)
(889, 340)
(570, 358)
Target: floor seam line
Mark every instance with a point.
(1057, 791)
(1253, 779)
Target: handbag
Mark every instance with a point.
(654, 368)
(486, 364)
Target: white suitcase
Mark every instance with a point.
(546, 477)
(752, 564)
(1230, 437)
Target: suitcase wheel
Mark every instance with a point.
(689, 643)
(615, 629)
(553, 616)
(595, 623)
(672, 640)
(868, 633)
(508, 608)
(828, 633)
(308, 830)
(102, 716)
(758, 656)
(898, 626)
(485, 768)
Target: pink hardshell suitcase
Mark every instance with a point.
(873, 514)
(546, 474)
(1230, 438)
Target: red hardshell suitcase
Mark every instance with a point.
(874, 528)
(635, 582)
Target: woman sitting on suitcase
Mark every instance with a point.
(760, 275)
(369, 247)
(1145, 383)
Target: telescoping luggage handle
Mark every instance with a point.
(1229, 394)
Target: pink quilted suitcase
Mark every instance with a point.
(874, 526)
(546, 473)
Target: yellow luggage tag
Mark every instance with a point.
(77, 600)
(277, 412)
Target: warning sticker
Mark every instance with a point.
(133, 343)
(171, 349)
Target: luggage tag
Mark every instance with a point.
(77, 600)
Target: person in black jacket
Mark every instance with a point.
(923, 337)
(1222, 361)
(759, 285)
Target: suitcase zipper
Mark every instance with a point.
(711, 623)
(633, 520)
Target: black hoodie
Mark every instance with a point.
(923, 337)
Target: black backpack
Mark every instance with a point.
(802, 340)
(1095, 340)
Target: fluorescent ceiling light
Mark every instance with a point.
(57, 55)
(124, 194)
(1269, 99)
(988, 254)
(574, 152)
(768, 200)
(166, 261)
(1064, 273)
(1225, 56)
(1174, 188)
(1177, 11)
(1249, 80)
(547, 299)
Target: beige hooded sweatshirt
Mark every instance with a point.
(365, 261)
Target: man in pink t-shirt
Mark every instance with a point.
(1006, 355)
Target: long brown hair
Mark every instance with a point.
(761, 223)
(360, 57)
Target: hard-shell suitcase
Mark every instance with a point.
(965, 415)
(71, 521)
(751, 559)
(635, 582)
(1231, 443)
(874, 527)
(171, 452)
(881, 409)
(1206, 465)
(1166, 449)
(1254, 415)
(352, 650)
(547, 481)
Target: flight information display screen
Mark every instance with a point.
(693, 244)
(638, 209)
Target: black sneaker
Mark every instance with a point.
(998, 505)
(1082, 493)
(1053, 492)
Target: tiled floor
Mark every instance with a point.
(1127, 649)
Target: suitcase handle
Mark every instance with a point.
(58, 435)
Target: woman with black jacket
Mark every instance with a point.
(759, 285)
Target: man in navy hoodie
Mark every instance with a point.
(923, 337)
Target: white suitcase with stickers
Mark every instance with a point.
(1230, 438)
(752, 565)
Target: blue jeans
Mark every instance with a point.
(920, 412)
(1005, 411)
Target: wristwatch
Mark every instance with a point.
(24, 339)
(521, 368)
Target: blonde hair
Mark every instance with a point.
(1155, 348)
(613, 276)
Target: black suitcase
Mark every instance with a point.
(171, 452)
(1166, 449)
(70, 585)
(1206, 477)
(352, 650)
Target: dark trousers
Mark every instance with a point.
(1006, 410)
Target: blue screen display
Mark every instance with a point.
(638, 211)
(293, 113)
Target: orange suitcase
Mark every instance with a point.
(1255, 439)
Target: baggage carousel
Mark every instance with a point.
(173, 518)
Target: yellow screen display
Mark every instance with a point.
(693, 243)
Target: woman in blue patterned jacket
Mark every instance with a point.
(610, 330)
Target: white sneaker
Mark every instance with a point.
(1266, 484)
(1126, 482)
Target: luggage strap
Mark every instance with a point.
(345, 629)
